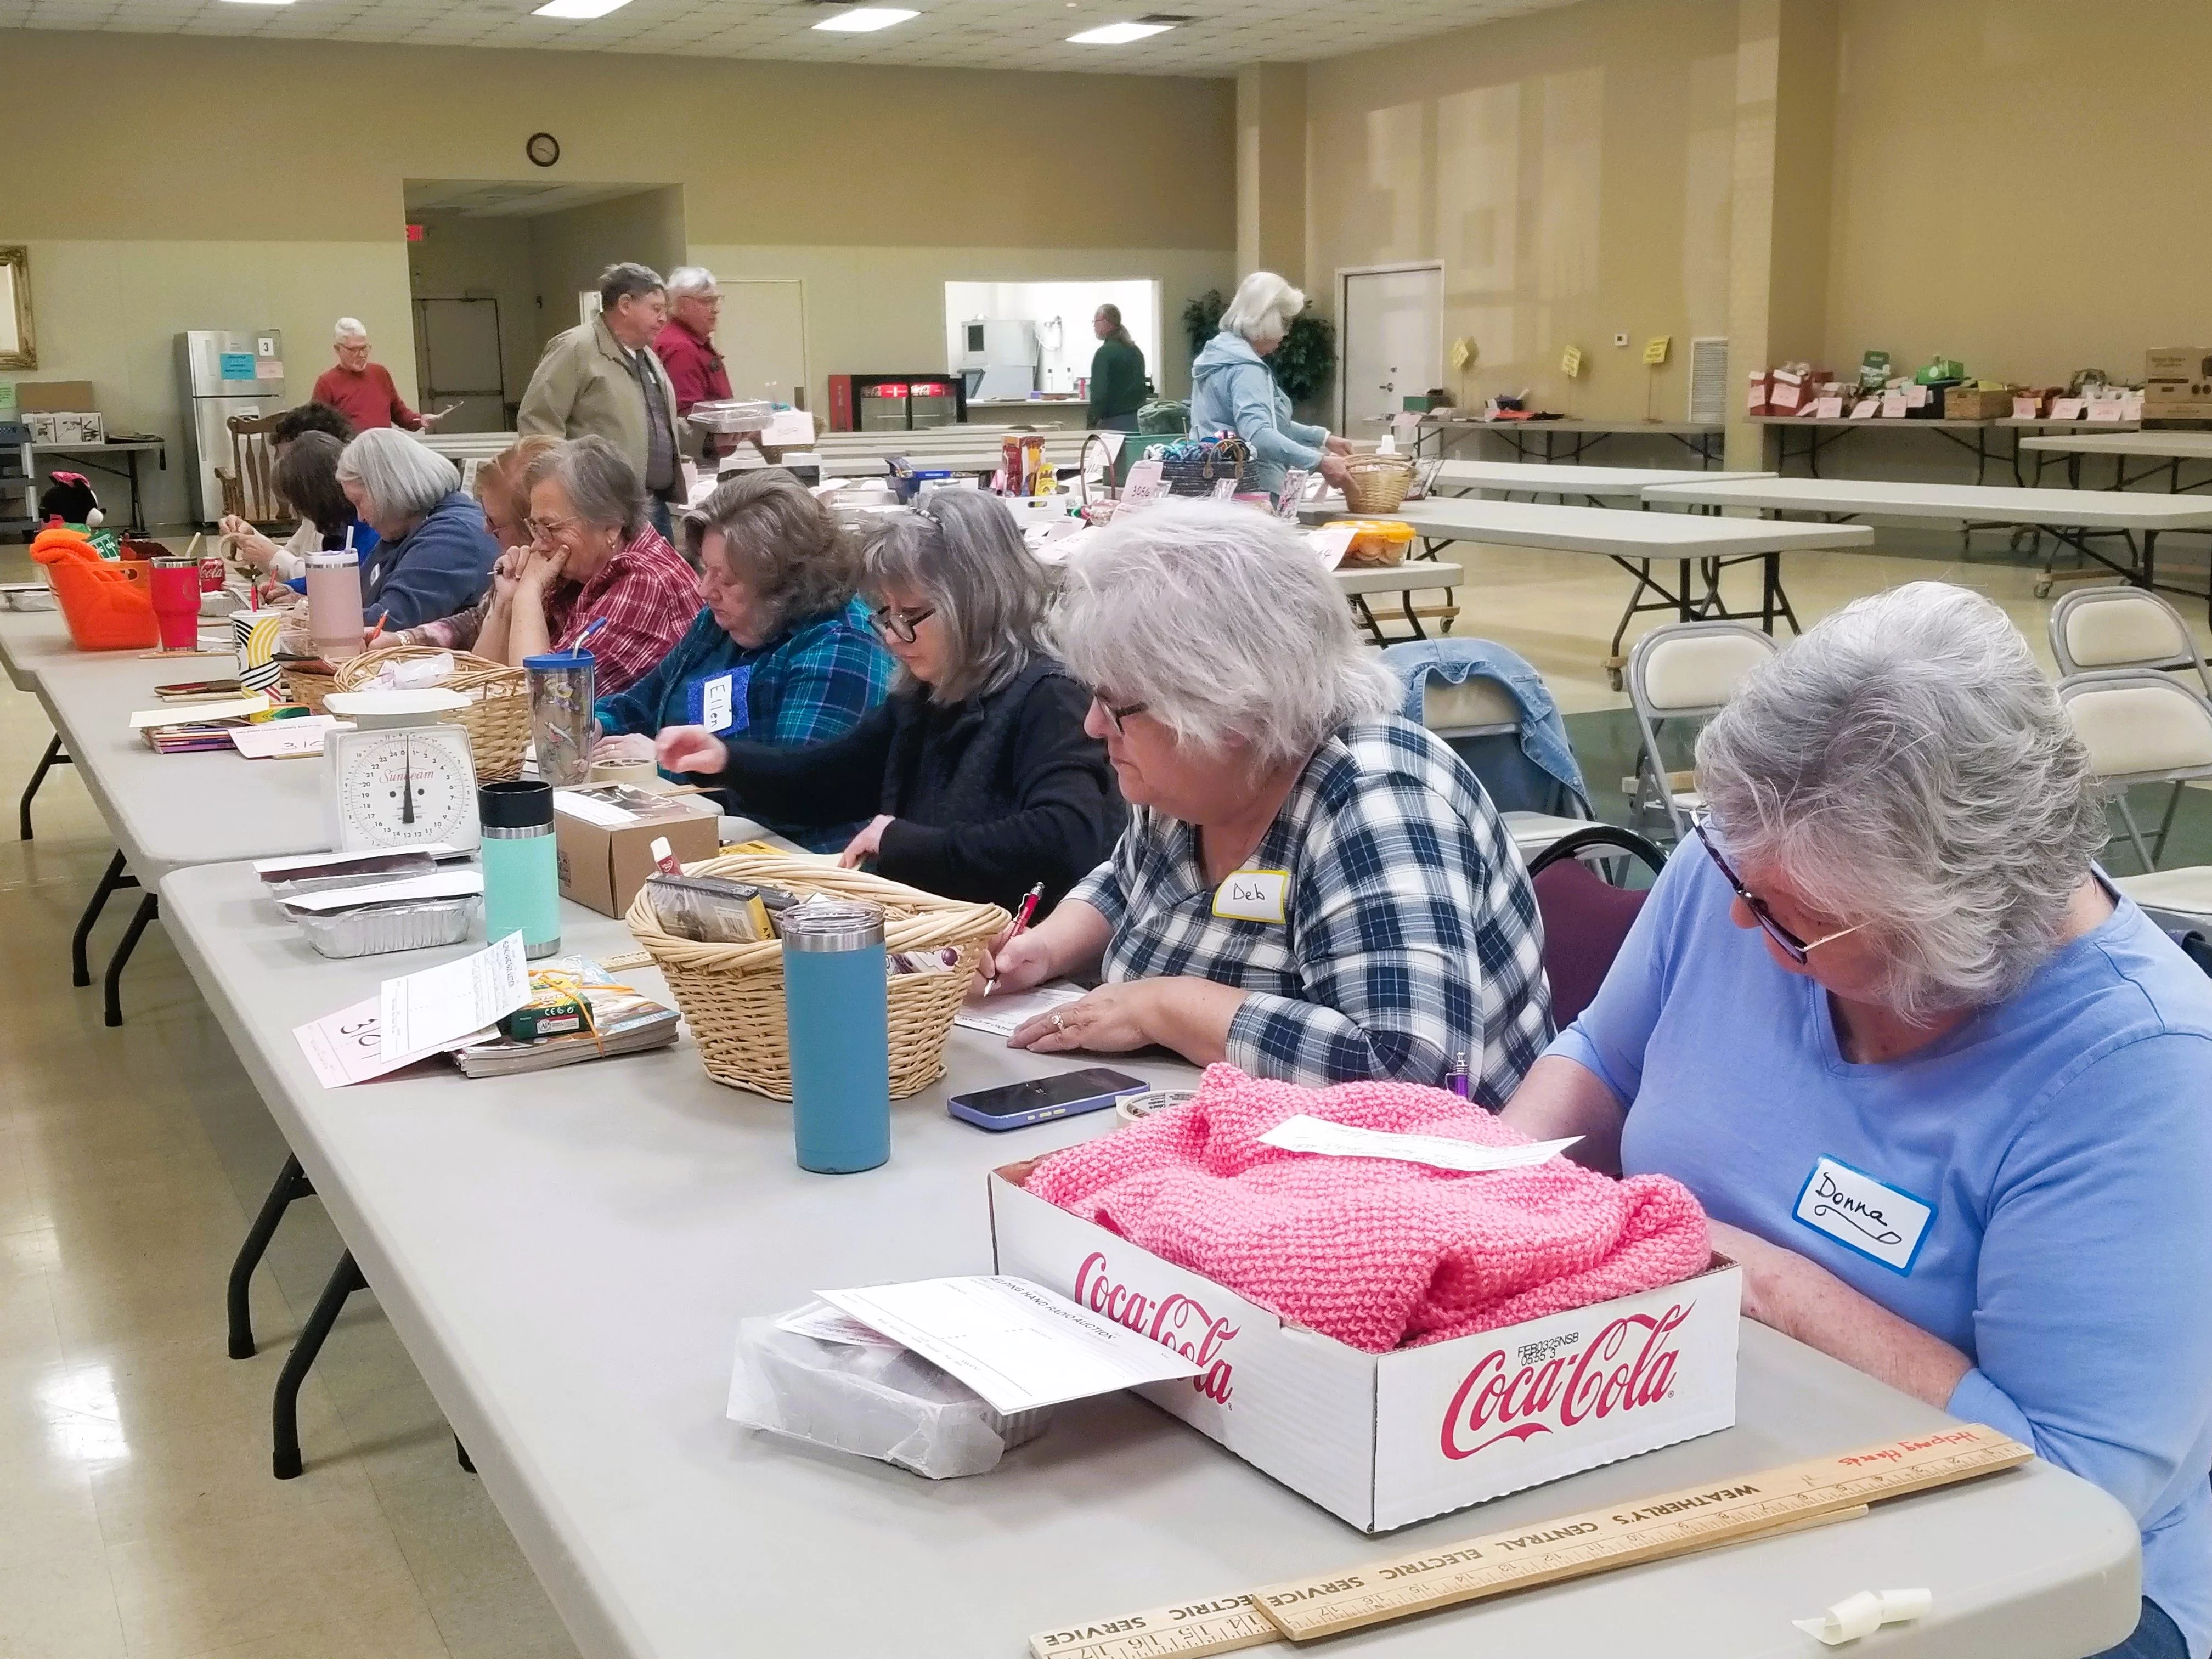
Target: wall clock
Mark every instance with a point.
(543, 148)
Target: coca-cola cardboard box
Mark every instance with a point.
(1384, 1440)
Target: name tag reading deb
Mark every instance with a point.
(1879, 1221)
(1252, 895)
(717, 701)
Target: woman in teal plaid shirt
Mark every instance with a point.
(782, 653)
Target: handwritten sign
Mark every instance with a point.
(1866, 409)
(2067, 408)
(1893, 405)
(1828, 409)
(1655, 349)
(1252, 895)
(1915, 396)
(1147, 483)
(1570, 362)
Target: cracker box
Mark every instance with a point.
(1384, 1440)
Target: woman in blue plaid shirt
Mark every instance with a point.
(1310, 887)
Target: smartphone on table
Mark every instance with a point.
(1017, 1105)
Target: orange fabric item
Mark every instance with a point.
(107, 604)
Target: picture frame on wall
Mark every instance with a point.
(18, 343)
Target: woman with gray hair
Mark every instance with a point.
(977, 768)
(1232, 390)
(435, 555)
(1946, 1094)
(591, 556)
(1310, 888)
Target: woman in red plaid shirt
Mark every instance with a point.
(592, 555)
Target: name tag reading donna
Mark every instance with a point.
(1864, 1214)
(1252, 895)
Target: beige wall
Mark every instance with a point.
(300, 220)
(485, 258)
(1571, 168)
(567, 250)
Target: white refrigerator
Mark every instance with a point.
(219, 374)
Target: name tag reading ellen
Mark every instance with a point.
(1252, 895)
(718, 702)
(1864, 1214)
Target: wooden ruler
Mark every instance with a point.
(1816, 1492)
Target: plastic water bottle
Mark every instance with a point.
(521, 873)
(334, 619)
(837, 1014)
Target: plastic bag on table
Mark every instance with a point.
(875, 1400)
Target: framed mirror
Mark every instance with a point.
(18, 347)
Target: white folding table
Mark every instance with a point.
(1699, 545)
(2165, 451)
(2071, 516)
(1595, 484)
(576, 1317)
(1701, 438)
(1403, 579)
(29, 642)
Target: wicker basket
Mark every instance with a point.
(497, 719)
(732, 995)
(304, 685)
(1376, 483)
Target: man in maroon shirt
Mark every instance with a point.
(363, 391)
(685, 347)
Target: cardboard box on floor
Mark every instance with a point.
(1384, 1440)
(605, 850)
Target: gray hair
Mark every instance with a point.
(598, 479)
(1263, 307)
(1908, 769)
(1222, 622)
(402, 478)
(618, 281)
(963, 552)
(691, 279)
(349, 328)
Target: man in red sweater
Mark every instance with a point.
(361, 391)
(685, 346)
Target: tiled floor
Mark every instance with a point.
(137, 1516)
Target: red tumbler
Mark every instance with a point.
(176, 597)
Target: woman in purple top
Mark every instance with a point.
(1946, 1095)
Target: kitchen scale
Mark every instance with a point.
(402, 775)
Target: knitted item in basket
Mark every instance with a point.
(1376, 483)
(497, 719)
(1375, 1252)
(732, 995)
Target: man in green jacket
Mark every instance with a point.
(604, 377)
(1117, 374)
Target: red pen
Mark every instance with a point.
(1021, 924)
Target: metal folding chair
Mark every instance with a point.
(2097, 629)
(1683, 672)
(2141, 727)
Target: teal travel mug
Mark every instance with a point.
(521, 874)
(837, 1013)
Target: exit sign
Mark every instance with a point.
(414, 232)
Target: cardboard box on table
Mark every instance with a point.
(47, 397)
(603, 864)
(1384, 1440)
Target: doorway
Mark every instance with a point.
(763, 338)
(459, 364)
(1392, 341)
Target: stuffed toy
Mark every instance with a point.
(69, 501)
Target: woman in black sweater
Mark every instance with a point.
(977, 768)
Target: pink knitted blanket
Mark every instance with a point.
(1377, 1254)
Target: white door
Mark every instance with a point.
(762, 336)
(458, 364)
(1392, 343)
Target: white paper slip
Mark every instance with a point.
(346, 1046)
(283, 739)
(443, 883)
(339, 863)
(1330, 543)
(1305, 1133)
(788, 429)
(440, 1007)
(1015, 1343)
(592, 810)
(193, 714)
(1000, 1013)
(827, 1324)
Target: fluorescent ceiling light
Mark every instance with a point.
(1119, 34)
(865, 19)
(579, 8)
(261, 3)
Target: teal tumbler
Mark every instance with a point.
(837, 1014)
(521, 871)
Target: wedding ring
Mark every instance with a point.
(1058, 1024)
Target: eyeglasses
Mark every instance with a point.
(895, 625)
(544, 530)
(1116, 713)
(1797, 949)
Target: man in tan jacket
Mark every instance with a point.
(603, 377)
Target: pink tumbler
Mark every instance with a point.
(177, 603)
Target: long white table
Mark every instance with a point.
(165, 810)
(1701, 438)
(567, 1257)
(1972, 435)
(1700, 546)
(2072, 516)
(2165, 450)
(1595, 483)
(1405, 580)
(30, 641)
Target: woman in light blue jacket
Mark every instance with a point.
(1232, 390)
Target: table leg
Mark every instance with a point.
(461, 1456)
(1684, 610)
(1405, 604)
(111, 878)
(2149, 560)
(47, 761)
(345, 1280)
(138, 513)
(150, 906)
(291, 1182)
(1367, 619)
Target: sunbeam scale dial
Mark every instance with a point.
(402, 776)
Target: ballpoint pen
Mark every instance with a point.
(1021, 924)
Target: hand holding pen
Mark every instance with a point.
(1021, 926)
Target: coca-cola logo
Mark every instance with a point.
(1492, 1404)
(1176, 1320)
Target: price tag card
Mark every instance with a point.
(1915, 396)
(1893, 406)
(2108, 409)
(1828, 409)
(1866, 409)
(1147, 483)
(1224, 489)
(2067, 408)
(1293, 492)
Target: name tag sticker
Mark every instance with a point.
(717, 701)
(1861, 1213)
(1252, 895)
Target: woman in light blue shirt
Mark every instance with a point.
(1947, 1095)
(1233, 390)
